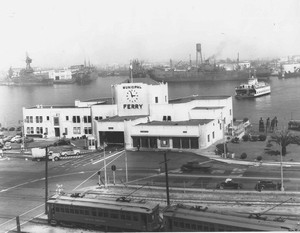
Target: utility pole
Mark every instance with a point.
(281, 170)
(104, 160)
(126, 170)
(46, 180)
(167, 179)
(224, 138)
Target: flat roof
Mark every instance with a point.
(121, 118)
(145, 80)
(104, 100)
(53, 106)
(179, 123)
(197, 97)
(209, 107)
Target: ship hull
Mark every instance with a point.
(197, 76)
(28, 80)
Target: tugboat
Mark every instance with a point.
(252, 89)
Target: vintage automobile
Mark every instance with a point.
(229, 184)
(267, 185)
(195, 166)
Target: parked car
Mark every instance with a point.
(229, 184)
(7, 139)
(267, 185)
(7, 146)
(16, 138)
(70, 152)
(195, 166)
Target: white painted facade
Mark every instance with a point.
(55, 121)
(290, 68)
(137, 115)
(60, 75)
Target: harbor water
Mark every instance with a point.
(283, 101)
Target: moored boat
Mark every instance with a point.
(253, 88)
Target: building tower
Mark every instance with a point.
(198, 52)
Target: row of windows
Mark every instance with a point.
(76, 130)
(204, 226)
(178, 142)
(75, 119)
(167, 118)
(104, 213)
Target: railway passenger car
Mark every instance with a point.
(181, 218)
(109, 215)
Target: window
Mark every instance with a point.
(89, 119)
(27, 119)
(87, 130)
(66, 131)
(85, 119)
(67, 118)
(46, 130)
(156, 99)
(208, 138)
(30, 130)
(76, 130)
(164, 118)
(48, 118)
(76, 119)
(96, 118)
(31, 119)
(39, 119)
(169, 118)
(39, 130)
(56, 121)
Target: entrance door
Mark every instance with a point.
(57, 132)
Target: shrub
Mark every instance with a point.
(254, 138)
(220, 148)
(262, 137)
(243, 155)
(12, 129)
(245, 137)
(245, 119)
(259, 158)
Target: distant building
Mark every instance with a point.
(139, 115)
(61, 75)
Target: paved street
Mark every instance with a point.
(22, 189)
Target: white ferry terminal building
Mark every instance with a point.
(139, 114)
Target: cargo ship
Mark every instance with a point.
(83, 74)
(27, 76)
(206, 73)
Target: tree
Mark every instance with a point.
(284, 138)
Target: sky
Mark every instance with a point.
(60, 33)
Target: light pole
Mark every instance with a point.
(46, 180)
(281, 170)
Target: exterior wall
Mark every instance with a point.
(49, 114)
(290, 67)
(186, 111)
(165, 132)
(103, 111)
(134, 98)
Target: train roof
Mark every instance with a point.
(131, 206)
(199, 214)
